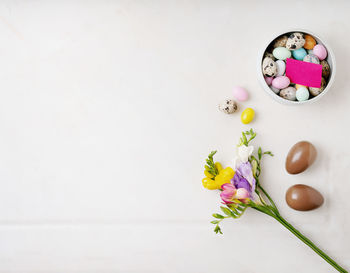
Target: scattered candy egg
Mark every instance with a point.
(228, 106)
(247, 115)
(316, 91)
(302, 197)
(310, 42)
(281, 67)
(309, 51)
(280, 82)
(295, 41)
(281, 53)
(311, 58)
(269, 67)
(320, 51)
(299, 54)
(268, 80)
(302, 94)
(300, 157)
(288, 93)
(240, 93)
(326, 70)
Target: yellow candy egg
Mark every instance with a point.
(297, 86)
(247, 115)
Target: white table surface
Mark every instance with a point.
(107, 111)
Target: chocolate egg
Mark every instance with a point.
(303, 197)
(300, 157)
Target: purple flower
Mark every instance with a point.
(244, 179)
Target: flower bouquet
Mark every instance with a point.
(241, 189)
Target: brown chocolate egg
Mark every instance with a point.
(300, 157)
(303, 197)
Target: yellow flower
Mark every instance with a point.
(224, 176)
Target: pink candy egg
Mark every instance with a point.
(320, 51)
(280, 82)
(240, 93)
(268, 80)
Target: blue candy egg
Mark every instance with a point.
(299, 54)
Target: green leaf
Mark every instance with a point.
(215, 222)
(217, 230)
(259, 153)
(226, 211)
(268, 153)
(218, 216)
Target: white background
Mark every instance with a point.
(107, 112)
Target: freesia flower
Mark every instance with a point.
(243, 153)
(244, 178)
(229, 194)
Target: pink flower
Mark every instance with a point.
(229, 194)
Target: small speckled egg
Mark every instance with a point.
(269, 54)
(316, 91)
(269, 67)
(280, 82)
(311, 58)
(228, 106)
(295, 41)
(320, 51)
(281, 67)
(309, 51)
(274, 89)
(240, 93)
(302, 94)
(299, 54)
(288, 93)
(325, 69)
(280, 41)
(268, 80)
(310, 42)
(281, 53)
(247, 115)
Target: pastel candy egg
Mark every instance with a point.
(310, 42)
(281, 67)
(281, 53)
(240, 93)
(274, 89)
(320, 51)
(311, 58)
(247, 115)
(268, 80)
(299, 54)
(288, 93)
(302, 94)
(280, 82)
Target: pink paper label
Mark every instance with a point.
(304, 73)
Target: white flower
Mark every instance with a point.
(242, 154)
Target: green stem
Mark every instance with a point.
(308, 242)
